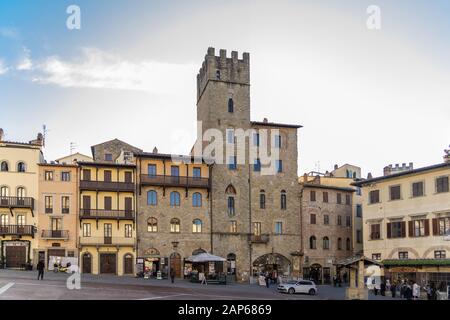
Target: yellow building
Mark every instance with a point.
(407, 223)
(107, 236)
(18, 197)
(57, 211)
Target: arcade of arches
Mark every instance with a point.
(273, 263)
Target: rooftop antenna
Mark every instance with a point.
(44, 134)
(73, 146)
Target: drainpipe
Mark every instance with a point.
(250, 219)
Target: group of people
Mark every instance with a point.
(337, 281)
(270, 277)
(405, 289)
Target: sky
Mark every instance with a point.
(365, 97)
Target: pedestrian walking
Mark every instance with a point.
(172, 275)
(408, 292)
(345, 277)
(334, 280)
(383, 288)
(393, 289)
(267, 279)
(40, 267)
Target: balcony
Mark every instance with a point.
(106, 214)
(17, 230)
(263, 238)
(55, 234)
(174, 181)
(17, 202)
(106, 241)
(107, 186)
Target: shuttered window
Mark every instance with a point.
(375, 231)
(442, 184)
(394, 193)
(417, 189)
(374, 196)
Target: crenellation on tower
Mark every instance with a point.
(223, 68)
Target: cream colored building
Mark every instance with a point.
(73, 158)
(57, 211)
(18, 201)
(407, 223)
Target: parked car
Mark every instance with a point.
(298, 286)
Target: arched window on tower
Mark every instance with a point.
(230, 105)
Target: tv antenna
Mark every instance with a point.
(73, 146)
(44, 133)
(317, 166)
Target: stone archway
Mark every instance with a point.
(396, 250)
(274, 263)
(434, 248)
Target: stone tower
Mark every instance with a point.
(223, 102)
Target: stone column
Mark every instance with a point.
(352, 277)
(361, 274)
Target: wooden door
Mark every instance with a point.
(16, 256)
(128, 177)
(108, 263)
(107, 175)
(86, 175)
(175, 264)
(86, 205)
(87, 263)
(128, 206)
(108, 203)
(128, 264)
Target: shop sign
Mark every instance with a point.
(403, 269)
(15, 244)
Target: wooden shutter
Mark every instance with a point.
(86, 175)
(388, 227)
(108, 203)
(403, 229)
(427, 227)
(107, 176)
(435, 226)
(128, 177)
(410, 229)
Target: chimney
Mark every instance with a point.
(155, 150)
(336, 167)
(369, 175)
(265, 120)
(2, 134)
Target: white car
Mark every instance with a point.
(298, 286)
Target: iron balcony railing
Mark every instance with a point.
(107, 185)
(17, 202)
(106, 214)
(17, 230)
(174, 181)
(106, 241)
(55, 234)
(262, 238)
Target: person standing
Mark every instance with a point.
(393, 289)
(334, 280)
(172, 275)
(416, 291)
(40, 268)
(383, 288)
(267, 279)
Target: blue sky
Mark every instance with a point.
(365, 97)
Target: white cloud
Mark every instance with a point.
(3, 67)
(26, 63)
(99, 69)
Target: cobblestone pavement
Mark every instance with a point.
(24, 285)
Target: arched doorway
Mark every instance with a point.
(87, 263)
(128, 263)
(273, 263)
(175, 264)
(315, 273)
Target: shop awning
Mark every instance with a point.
(205, 257)
(416, 262)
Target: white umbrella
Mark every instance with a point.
(205, 257)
